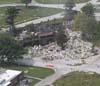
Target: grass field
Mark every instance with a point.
(33, 83)
(97, 10)
(9, 1)
(32, 71)
(56, 21)
(42, 1)
(59, 1)
(79, 79)
(27, 14)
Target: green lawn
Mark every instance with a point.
(59, 1)
(9, 1)
(27, 14)
(56, 21)
(32, 71)
(97, 10)
(79, 79)
(32, 84)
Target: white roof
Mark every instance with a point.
(5, 84)
(7, 75)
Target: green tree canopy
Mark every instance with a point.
(88, 9)
(11, 13)
(69, 13)
(10, 49)
(84, 23)
(26, 2)
(87, 25)
(69, 4)
(61, 38)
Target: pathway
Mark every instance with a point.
(56, 16)
(43, 19)
(63, 69)
(60, 69)
(34, 78)
(49, 80)
(52, 17)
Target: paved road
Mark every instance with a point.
(52, 17)
(59, 6)
(63, 69)
(34, 77)
(60, 69)
(43, 19)
(49, 80)
(57, 16)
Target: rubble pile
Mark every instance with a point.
(76, 48)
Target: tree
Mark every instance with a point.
(61, 38)
(26, 2)
(96, 35)
(30, 28)
(70, 4)
(84, 23)
(88, 9)
(88, 25)
(80, 22)
(11, 13)
(10, 49)
(69, 13)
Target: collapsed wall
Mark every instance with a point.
(76, 48)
